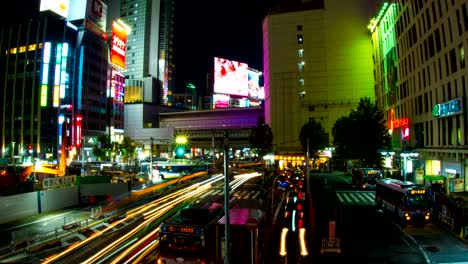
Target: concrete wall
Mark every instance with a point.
(18, 206)
(29, 204)
(57, 199)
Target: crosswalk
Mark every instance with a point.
(241, 194)
(356, 197)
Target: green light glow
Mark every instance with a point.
(384, 39)
(375, 20)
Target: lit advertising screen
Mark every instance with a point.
(119, 42)
(220, 101)
(60, 7)
(231, 77)
(255, 91)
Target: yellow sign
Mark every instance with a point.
(418, 191)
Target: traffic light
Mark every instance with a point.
(180, 151)
(30, 150)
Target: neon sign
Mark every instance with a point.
(396, 123)
(449, 108)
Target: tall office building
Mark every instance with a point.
(56, 82)
(149, 76)
(150, 48)
(421, 82)
(317, 65)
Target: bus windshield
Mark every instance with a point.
(180, 242)
(417, 201)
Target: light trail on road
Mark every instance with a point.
(150, 212)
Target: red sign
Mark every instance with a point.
(251, 224)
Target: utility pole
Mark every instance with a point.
(227, 240)
(151, 159)
(307, 165)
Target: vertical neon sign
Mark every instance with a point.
(56, 87)
(63, 69)
(79, 119)
(45, 73)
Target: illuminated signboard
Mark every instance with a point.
(60, 7)
(418, 191)
(79, 120)
(93, 28)
(255, 90)
(449, 108)
(119, 42)
(182, 229)
(220, 101)
(231, 77)
(396, 123)
(96, 11)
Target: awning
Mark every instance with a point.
(434, 177)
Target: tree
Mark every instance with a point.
(103, 147)
(342, 133)
(362, 134)
(127, 148)
(261, 140)
(314, 133)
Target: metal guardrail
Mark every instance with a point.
(447, 220)
(443, 218)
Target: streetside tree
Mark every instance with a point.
(362, 134)
(318, 139)
(127, 148)
(102, 148)
(261, 140)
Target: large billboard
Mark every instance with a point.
(255, 90)
(231, 77)
(60, 7)
(119, 43)
(94, 11)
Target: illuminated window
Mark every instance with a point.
(300, 53)
(461, 52)
(301, 81)
(300, 40)
(300, 65)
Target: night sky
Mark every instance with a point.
(209, 28)
(204, 29)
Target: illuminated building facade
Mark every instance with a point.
(420, 81)
(37, 87)
(317, 62)
(57, 81)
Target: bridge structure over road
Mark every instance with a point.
(205, 128)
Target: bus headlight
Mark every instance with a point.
(407, 216)
(428, 216)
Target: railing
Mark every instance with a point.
(444, 218)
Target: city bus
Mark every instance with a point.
(366, 178)
(187, 236)
(171, 169)
(196, 234)
(406, 200)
